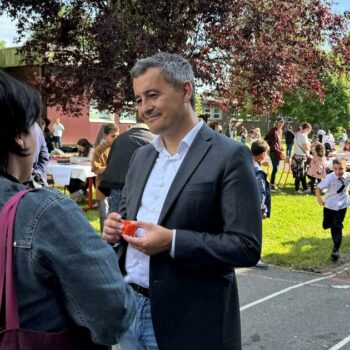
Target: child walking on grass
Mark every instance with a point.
(259, 150)
(317, 169)
(335, 203)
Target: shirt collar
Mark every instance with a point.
(140, 125)
(185, 143)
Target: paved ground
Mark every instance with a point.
(284, 310)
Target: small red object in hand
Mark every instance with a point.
(129, 228)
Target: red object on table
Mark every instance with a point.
(129, 228)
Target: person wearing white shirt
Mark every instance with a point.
(302, 147)
(58, 129)
(328, 141)
(195, 199)
(335, 203)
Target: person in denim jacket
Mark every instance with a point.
(66, 276)
(259, 150)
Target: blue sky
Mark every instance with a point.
(8, 31)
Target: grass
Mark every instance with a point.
(293, 237)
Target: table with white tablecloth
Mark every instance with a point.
(62, 173)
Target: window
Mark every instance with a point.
(212, 112)
(216, 113)
(206, 112)
(97, 116)
(127, 117)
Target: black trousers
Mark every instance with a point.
(333, 219)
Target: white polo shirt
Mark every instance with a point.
(334, 200)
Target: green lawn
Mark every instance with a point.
(293, 237)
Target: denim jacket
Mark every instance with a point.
(65, 274)
(264, 190)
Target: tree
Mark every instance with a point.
(333, 112)
(2, 44)
(246, 50)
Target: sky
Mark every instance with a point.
(8, 30)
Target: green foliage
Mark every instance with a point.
(332, 112)
(2, 44)
(198, 105)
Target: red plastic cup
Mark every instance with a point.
(129, 228)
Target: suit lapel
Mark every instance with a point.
(193, 158)
(143, 173)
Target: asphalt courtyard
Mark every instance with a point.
(288, 310)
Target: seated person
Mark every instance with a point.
(77, 188)
(85, 149)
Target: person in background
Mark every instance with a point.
(274, 140)
(257, 134)
(48, 135)
(320, 135)
(328, 142)
(122, 150)
(243, 134)
(346, 147)
(77, 188)
(204, 117)
(299, 131)
(58, 129)
(342, 139)
(194, 195)
(85, 148)
(317, 169)
(41, 158)
(259, 150)
(98, 166)
(66, 276)
(302, 148)
(289, 137)
(99, 137)
(335, 203)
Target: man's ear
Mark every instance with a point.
(20, 142)
(187, 89)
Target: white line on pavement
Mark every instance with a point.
(341, 344)
(268, 297)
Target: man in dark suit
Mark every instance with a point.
(195, 198)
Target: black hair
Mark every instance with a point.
(87, 146)
(20, 106)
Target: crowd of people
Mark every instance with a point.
(196, 198)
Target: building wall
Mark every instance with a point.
(76, 128)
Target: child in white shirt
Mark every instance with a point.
(335, 203)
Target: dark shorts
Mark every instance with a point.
(333, 218)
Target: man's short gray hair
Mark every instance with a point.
(176, 70)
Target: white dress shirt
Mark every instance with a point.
(153, 197)
(334, 200)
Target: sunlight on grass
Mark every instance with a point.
(293, 237)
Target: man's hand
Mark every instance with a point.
(113, 228)
(157, 239)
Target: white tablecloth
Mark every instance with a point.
(62, 173)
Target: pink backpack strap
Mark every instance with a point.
(7, 220)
